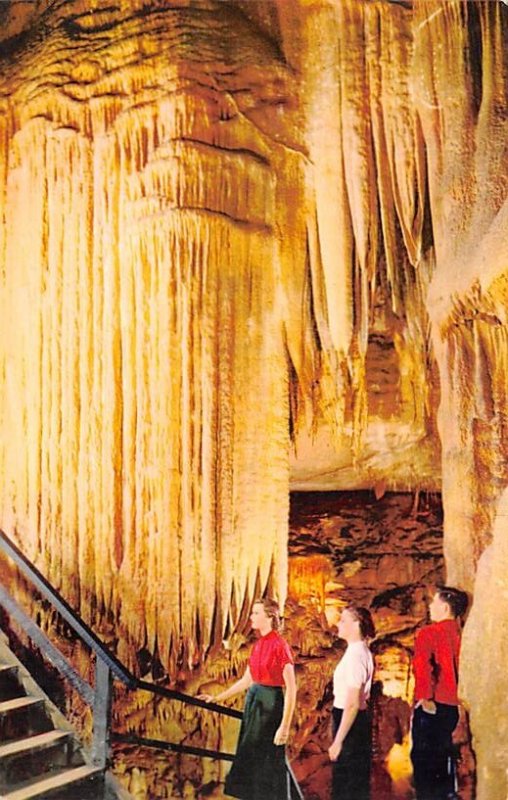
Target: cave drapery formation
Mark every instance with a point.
(223, 224)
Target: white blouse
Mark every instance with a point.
(354, 671)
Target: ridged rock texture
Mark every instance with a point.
(247, 246)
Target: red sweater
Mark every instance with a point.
(436, 662)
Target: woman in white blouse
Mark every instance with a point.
(350, 750)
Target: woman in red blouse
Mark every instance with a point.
(436, 670)
(259, 768)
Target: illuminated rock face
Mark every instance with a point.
(145, 422)
(228, 228)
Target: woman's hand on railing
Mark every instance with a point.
(207, 698)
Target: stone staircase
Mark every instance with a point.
(40, 756)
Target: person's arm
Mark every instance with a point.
(240, 685)
(351, 709)
(424, 676)
(282, 732)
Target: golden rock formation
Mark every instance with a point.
(140, 318)
(232, 232)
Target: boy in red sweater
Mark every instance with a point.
(436, 670)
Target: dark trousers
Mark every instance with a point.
(351, 771)
(432, 752)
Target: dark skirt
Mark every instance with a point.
(259, 769)
(351, 771)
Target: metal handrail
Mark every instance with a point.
(64, 609)
(187, 749)
(107, 666)
(52, 653)
(90, 638)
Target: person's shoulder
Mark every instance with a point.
(367, 655)
(427, 633)
(451, 628)
(274, 639)
(282, 644)
(453, 623)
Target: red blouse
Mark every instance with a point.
(269, 656)
(436, 662)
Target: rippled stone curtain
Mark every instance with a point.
(150, 229)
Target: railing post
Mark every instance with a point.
(102, 713)
(295, 791)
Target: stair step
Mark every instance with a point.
(32, 743)
(18, 703)
(7, 668)
(10, 685)
(60, 781)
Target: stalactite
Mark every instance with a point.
(151, 353)
(223, 328)
(367, 156)
(398, 143)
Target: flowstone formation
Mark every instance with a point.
(247, 246)
(142, 333)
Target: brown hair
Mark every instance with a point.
(364, 617)
(272, 610)
(456, 599)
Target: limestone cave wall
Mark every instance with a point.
(249, 246)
